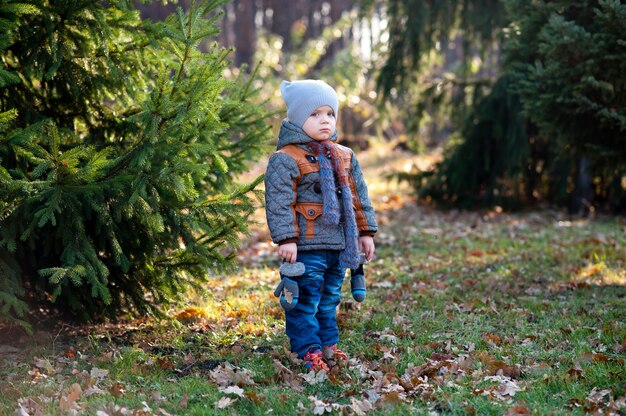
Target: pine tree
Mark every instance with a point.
(12, 306)
(118, 171)
(570, 72)
(558, 103)
(486, 167)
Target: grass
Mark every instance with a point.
(466, 313)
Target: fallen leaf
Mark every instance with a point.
(499, 368)
(391, 399)
(74, 392)
(313, 377)
(98, 373)
(67, 402)
(238, 391)
(574, 403)
(189, 359)
(117, 390)
(360, 407)
(255, 397)
(470, 410)
(439, 357)
(146, 410)
(157, 396)
(227, 374)
(28, 406)
(292, 357)
(90, 391)
(493, 339)
(597, 396)
(105, 357)
(591, 269)
(224, 402)
(518, 411)
(320, 407)
(618, 405)
(191, 314)
(285, 374)
(165, 363)
(506, 387)
(70, 352)
(575, 373)
(45, 365)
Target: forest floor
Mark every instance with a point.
(466, 313)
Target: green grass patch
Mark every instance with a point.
(465, 314)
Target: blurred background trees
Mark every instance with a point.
(303, 39)
(526, 97)
(548, 125)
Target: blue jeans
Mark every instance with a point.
(313, 322)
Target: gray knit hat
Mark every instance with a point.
(303, 97)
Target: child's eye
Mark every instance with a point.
(317, 114)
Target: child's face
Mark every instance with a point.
(321, 124)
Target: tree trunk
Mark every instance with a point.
(583, 194)
(282, 20)
(228, 34)
(157, 11)
(245, 39)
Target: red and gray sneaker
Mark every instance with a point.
(313, 360)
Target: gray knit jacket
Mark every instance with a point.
(293, 195)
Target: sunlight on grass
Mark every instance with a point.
(240, 306)
(600, 274)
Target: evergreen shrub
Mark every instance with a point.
(554, 123)
(120, 143)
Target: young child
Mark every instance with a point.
(319, 213)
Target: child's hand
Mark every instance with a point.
(289, 252)
(366, 245)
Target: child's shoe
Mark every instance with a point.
(313, 360)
